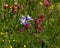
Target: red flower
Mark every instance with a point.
(21, 30)
(40, 29)
(42, 16)
(40, 21)
(13, 9)
(18, 6)
(36, 21)
(5, 6)
(35, 26)
(46, 3)
(26, 25)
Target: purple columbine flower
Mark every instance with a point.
(28, 17)
(22, 19)
(26, 25)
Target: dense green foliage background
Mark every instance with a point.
(9, 25)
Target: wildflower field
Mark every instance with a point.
(29, 23)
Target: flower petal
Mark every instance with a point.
(28, 17)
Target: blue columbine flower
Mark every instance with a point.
(28, 17)
(24, 19)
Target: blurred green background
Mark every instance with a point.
(10, 37)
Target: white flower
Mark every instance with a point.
(28, 17)
(22, 19)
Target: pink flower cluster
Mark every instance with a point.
(46, 3)
(38, 21)
(13, 8)
(37, 24)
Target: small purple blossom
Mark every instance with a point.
(18, 6)
(23, 20)
(46, 3)
(22, 17)
(28, 17)
(40, 28)
(26, 25)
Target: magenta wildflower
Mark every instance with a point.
(18, 6)
(36, 21)
(42, 16)
(35, 26)
(40, 21)
(13, 9)
(40, 28)
(46, 3)
(5, 6)
(26, 25)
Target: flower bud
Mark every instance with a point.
(5, 6)
(46, 3)
(18, 6)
